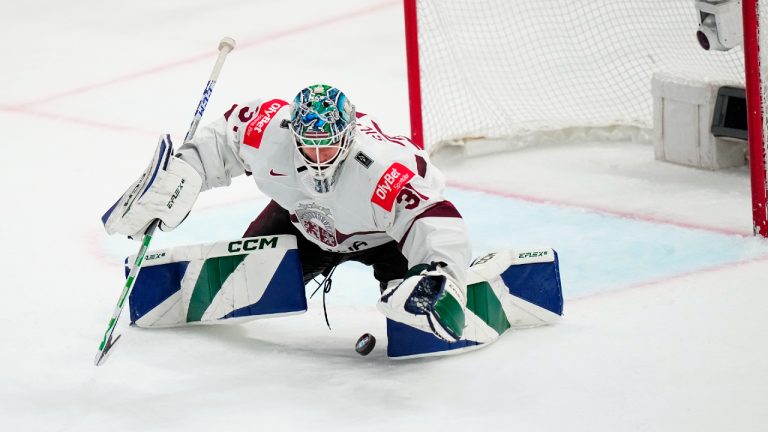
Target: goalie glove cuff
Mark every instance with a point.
(166, 190)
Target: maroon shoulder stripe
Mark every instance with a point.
(421, 166)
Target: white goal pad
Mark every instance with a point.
(222, 282)
(509, 289)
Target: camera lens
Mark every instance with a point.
(703, 40)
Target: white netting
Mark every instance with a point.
(506, 68)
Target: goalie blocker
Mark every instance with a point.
(166, 191)
(260, 277)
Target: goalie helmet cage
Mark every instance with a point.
(509, 70)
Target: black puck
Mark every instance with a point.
(365, 344)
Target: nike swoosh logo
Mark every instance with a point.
(273, 173)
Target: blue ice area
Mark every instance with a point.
(597, 252)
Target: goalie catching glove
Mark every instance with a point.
(429, 300)
(167, 190)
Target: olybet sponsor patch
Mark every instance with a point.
(254, 132)
(390, 184)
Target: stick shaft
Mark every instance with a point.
(223, 51)
(225, 47)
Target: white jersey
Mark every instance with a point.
(385, 190)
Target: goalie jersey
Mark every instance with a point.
(385, 190)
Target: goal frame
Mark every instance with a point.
(755, 114)
(755, 120)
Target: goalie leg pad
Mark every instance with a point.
(221, 282)
(506, 290)
(526, 282)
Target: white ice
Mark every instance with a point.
(665, 326)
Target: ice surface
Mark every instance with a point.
(665, 324)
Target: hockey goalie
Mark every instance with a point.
(341, 190)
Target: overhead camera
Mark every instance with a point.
(720, 24)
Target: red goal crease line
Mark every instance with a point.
(600, 210)
(671, 278)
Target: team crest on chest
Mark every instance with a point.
(318, 222)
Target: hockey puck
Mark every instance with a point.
(365, 344)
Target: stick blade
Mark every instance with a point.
(103, 354)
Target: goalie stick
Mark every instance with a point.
(108, 342)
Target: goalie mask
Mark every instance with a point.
(323, 125)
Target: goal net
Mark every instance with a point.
(502, 70)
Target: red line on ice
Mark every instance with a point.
(77, 120)
(324, 22)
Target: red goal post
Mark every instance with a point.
(511, 69)
(757, 90)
